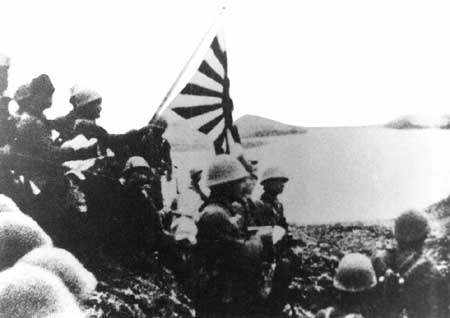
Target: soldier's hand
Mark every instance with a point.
(169, 177)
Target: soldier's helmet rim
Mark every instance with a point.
(355, 273)
(135, 163)
(225, 169)
(82, 96)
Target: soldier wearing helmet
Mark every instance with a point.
(86, 104)
(273, 180)
(251, 209)
(156, 150)
(228, 260)
(137, 222)
(140, 226)
(87, 107)
(31, 151)
(410, 280)
(354, 281)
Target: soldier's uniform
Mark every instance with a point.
(156, 150)
(32, 154)
(6, 125)
(226, 263)
(138, 222)
(274, 210)
(419, 287)
(411, 281)
(32, 151)
(86, 105)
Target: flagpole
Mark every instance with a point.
(183, 71)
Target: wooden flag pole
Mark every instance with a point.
(189, 61)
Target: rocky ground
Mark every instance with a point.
(154, 291)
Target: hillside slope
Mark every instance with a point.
(250, 126)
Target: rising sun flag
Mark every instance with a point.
(205, 100)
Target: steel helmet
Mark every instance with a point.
(224, 169)
(135, 162)
(274, 173)
(411, 226)
(355, 273)
(80, 96)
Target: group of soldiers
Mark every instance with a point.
(232, 253)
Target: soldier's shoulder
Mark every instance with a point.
(27, 122)
(424, 270)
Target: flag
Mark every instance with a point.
(205, 100)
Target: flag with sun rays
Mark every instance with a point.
(205, 100)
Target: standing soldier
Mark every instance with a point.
(226, 261)
(86, 105)
(354, 281)
(251, 210)
(273, 181)
(5, 122)
(410, 280)
(139, 222)
(32, 154)
(156, 150)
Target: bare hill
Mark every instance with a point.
(183, 137)
(254, 126)
(420, 122)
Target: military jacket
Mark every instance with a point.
(421, 289)
(274, 211)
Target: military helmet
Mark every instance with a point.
(159, 122)
(411, 226)
(355, 273)
(224, 169)
(135, 162)
(274, 173)
(80, 97)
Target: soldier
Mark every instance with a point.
(354, 281)
(273, 181)
(226, 261)
(5, 122)
(156, 150)
(410, 280)
(251, 210)
(139, 222)
(86, 105)
(31, 152)
(6, 128)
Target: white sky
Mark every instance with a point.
(309, 63)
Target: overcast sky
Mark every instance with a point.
(309, 63)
